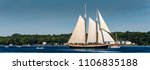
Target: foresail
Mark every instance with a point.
(102, 23)
(91, 31)
(107, 37)
(78, 35)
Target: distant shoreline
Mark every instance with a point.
(138, 38)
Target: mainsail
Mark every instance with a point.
(91, 31)
(79, 35)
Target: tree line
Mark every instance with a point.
(140, 38)
(18, 39)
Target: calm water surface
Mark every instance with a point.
(66, 49)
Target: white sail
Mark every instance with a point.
(78, 35)
(100, 39)
(104, 32)
(91, 31)
(107, 37)
(102, 23)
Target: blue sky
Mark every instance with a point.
(60, 16)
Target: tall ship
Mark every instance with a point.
(97, 36)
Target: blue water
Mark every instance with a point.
(66, 49)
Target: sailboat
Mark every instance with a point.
(98, 35)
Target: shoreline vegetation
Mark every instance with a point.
(139, 38)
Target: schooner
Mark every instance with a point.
(98, 35)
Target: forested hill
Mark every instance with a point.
(140, 38)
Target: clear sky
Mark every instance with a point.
(60, 16)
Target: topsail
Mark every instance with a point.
(102, 23)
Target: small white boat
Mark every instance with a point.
(39, 47)
(10, 44)
(114, 46)
(6, 46)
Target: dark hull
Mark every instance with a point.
(90, 47)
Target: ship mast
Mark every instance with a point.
(96, 28)
(85, 12)
(85, 24)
